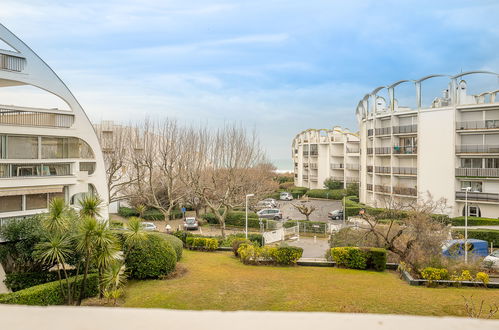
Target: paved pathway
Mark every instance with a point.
(311, 248)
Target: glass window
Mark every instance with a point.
(11, 203)
(492, 163)
(36, 201)
(3, 146)
(56, 195)
(475, 186)
(471, 163)
(4, 171)
(22, 147)
(56, 169)
(473, 211)
(53, 148)
(25, 170)
(87, 166)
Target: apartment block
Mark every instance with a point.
(319, 154)
(448, 147)
(44, 152)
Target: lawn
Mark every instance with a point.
(219, 281)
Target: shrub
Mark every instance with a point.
(286, 255)
(237, 243)
(50, 293)
(475, 221)
(236, 219)
(298, 191)
(151, 258)
(489, 235)
(150, 214)
(202, 243)
(281, 255)
(182, 235)
(352, 189)
(20, 281)
(287, 185)
(434, 274)
(116, 224)
(376, 259)
(483, 278)
(331, 184)
(176, 243)
(357, 258)
(327, 194)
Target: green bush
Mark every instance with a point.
(150, 214)
(359, 258)
(281, 255)
(50, 293)
(332, 184)
(489, 235)
(151, 258)
(237, 243)
(182, 235)
(229, 239)
(336, 194)
(298, 191)
(434, 274)
(20, 281)
(287, 255)
(236, 219)
(475, 221)
(116, 224)
(202, 243)
(176, 243)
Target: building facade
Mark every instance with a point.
(448, 147)
(44, 153)
(319, 154)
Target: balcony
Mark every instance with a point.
(405, 191)
(383, 189)
(477, 149)
(12, 63)
(370, 132)
(383, 131)
(351, 179)
(477, 196)
(313, 166)
(370, 168)
(405, 170)
(353, 150)
(337, 166)
(34, 170)
(405, 129)
(305, 177)
(477, 125)
(313, 178)
(354, 167)
(338, 178)
(13, 116)
(314, 153)
(407, 150)
(382, 169)
(478, 172)
(383, 150)
(369, 187)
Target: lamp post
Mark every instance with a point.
(466, 190)
(247, 196)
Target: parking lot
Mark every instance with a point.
(320, 214)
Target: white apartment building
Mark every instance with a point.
(443, 147)
(44, 153)
(319, 154)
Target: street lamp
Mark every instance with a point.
(466, 190)
(247, 196)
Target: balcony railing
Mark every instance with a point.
(313, 166)
(352, 179)
(478, 196)
(405, 170)
(313, 178)
(354, 167)
(405, 191)
(34, 118)
(369, 187)
(477, 148)
(383, 131)
(480, 124)
(383, 189)
(404, 129)
(383, 150)
(338, 178)
(337, 166)
(370, 151)
(305, 177)
(305, 153)
(353, 150)
(314, 153)
(34, 170)
(12, 63)
(480, 172)
(407, 150)
(383, 169)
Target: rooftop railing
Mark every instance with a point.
(478, 172)
(34, 118)
(477, 148)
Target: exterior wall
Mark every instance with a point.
(33, 71)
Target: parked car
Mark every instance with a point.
(190, 223)
(148, 226)
(285, 196)
(492, 259)
(335, 215)
(272, 201)
(455, 247)
(264, 205)
(274, 214)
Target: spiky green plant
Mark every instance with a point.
(57, 218)
(113, 280)
(91, 206)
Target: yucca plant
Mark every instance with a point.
(91, 206)
(106, 250)
(141, 209)
(57, 219)
(135, 233)
(113, 280)
(85, 244)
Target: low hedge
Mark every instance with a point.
(150, 214)
(225, 242)
(336, 194)
(20, 281)
(475, 221)
(265, 255)
(359, 258)
(50, 293)
(176, 243)
(236, 244)
(202, 243)
(151, 258)
(489, 235)
(236, 219)
(298, 192)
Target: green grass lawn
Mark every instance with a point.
(219, 281)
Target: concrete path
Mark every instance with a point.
(3, 288)
(311, 248)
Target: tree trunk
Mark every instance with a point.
(84, 281)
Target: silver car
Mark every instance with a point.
(274, 214)
(493, 260)
(191, 223)
(149, 226)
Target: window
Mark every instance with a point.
(56, 169)
(22, 147)
(65, 147)
(36, 201)
(11, 203)
(475, 186)
(492, 163)
(3, 146)
(471, 163)
(25, 170)
(88, 166)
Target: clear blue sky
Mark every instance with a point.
(279, 66)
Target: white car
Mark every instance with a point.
(148, 226)
(285, 196)
(493, 259)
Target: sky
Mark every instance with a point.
(279, 67)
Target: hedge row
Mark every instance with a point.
(359, 258)
(225, 242)
(20, 281)
(236, 219)
(50, 293)
(335, 194)
(201, 243)
(475, 221)
(151, 214)
(491, 236)
(265, 255)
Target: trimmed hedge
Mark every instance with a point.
(269, 255)
(491, 236)
(20, 281)
(475, 221)
(359, 258)
(298, 191)
(236, 219)
(150, 214)
(201, 243)
(176, 243)
(225, 242)
(336, 194)
(50, 293)
(151, 258)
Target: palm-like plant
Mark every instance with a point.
(113, 280)
(90, 206)
(57, 219)
(135, 233)
(106, 250)
(85, 238)
(141, 209)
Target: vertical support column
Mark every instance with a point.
(418, 95)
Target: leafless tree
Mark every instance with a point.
(305, 208)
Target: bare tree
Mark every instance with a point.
(305, 208)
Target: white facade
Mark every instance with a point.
(44, 153)
(319, 154)
(439, 148)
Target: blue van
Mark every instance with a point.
(455, 248)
